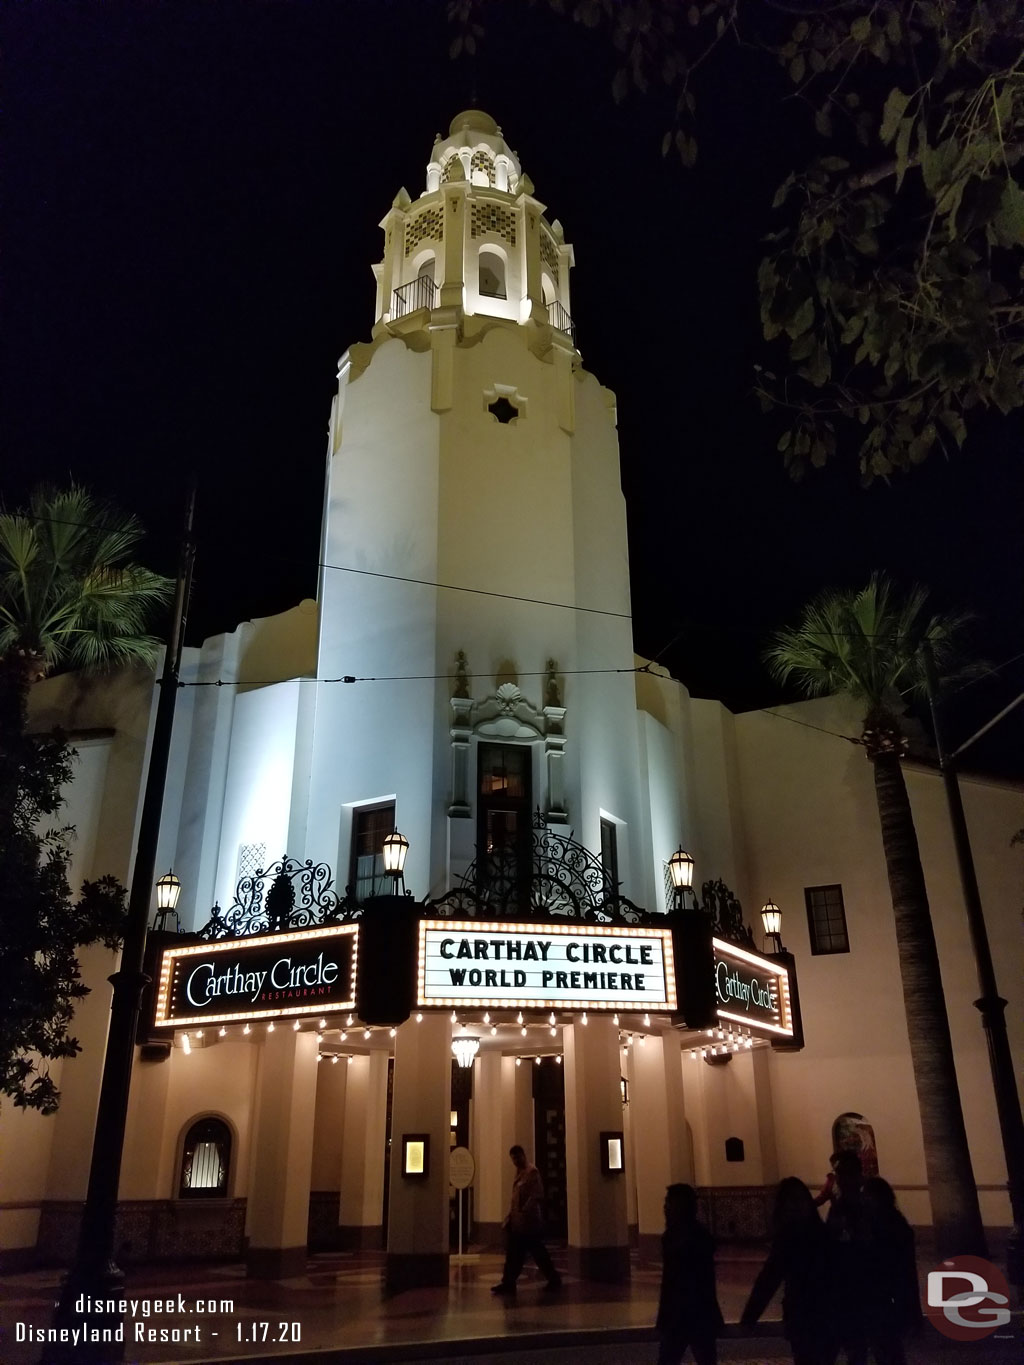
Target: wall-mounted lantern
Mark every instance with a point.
(168, 889)
(396, 846)
(680, 867)
(771, 918)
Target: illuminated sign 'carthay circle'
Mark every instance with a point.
(752, 990)
(273, 976)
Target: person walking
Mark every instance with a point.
(688, 1311)
(798, 1261)
(893, 1295)
(524, 1227)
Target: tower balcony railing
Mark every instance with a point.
(558, 317)
(418, 293)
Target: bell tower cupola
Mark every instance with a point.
(476, 243)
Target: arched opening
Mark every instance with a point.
(426, 270)
(548, 291)
(492, 275)
(205, 1160)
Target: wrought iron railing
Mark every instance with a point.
(558, 317)
(556, 877)
(418, 293)
(287, 895)
(722, 908)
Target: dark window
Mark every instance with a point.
(826, 919)
(370, 826)
(205, 1159)
(610, 856)
(504, 817)
(492, 275)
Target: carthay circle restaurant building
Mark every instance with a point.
(315, 1040)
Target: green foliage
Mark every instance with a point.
(68, 591)
(69, 595)
(866, 643)
(893, 286)
(41, 928)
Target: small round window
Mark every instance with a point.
(205, 1159)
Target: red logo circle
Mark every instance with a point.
(967, 1298)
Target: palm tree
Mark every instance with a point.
(69, 594)
(867, 644)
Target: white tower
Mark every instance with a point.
(474, 546)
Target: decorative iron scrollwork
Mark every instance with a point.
(726, 914)
(287, 895)
(560, 879)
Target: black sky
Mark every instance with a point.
(191, 198)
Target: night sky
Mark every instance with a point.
(192, 195)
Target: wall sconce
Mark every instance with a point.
(613, 1156)
(415, 1155)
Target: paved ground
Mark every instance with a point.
(338, 1312)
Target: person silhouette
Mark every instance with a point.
(688, 1311)
(849, 1254)
(893, 1297)
(798, 1261)
(524, 1227)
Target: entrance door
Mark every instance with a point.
(549, 1141)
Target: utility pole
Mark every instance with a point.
(94, 1274)
(990, 1004)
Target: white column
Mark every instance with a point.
(278, 1204)
(418, 1205)
(325, 1180)
(598, 1236)
(534, 301)
(452, 280)
(494, 1132)
(363, 1145)
(660, 1139)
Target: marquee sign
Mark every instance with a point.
(273, 976)
(534, 966)
(752, 991)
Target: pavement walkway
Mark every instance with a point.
(338, 1313)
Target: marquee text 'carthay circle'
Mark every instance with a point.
(579, 966)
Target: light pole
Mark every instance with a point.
(94, 1271)
(991, 1004)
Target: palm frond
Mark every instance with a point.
(69, 590)
(866, 642)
